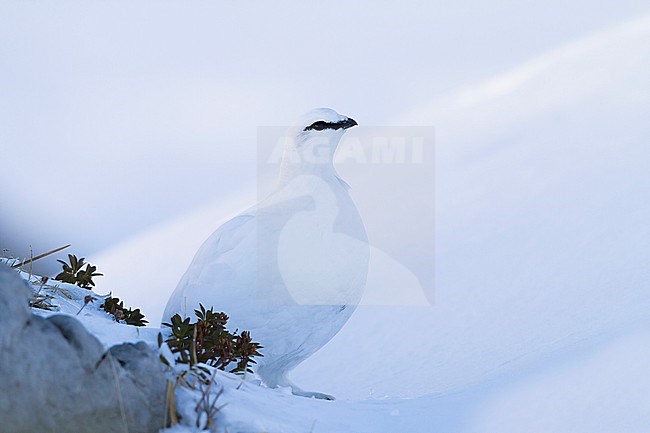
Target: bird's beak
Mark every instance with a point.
(348, 123)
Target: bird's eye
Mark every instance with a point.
(318, 126)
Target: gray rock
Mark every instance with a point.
(56, 377)
(14, 303)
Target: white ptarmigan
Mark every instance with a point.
(292, 268)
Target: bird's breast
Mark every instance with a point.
(319, 264)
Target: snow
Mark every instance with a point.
(178, 101)
(603, 389)
(540, 230)
(540, 320)
(541, 262)
(68, 299)
(583, 388)
(245, 404)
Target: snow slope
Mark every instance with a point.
(602, 390)
(541, 265)
(540, 225)
(244, 404)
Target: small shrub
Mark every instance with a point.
(208, 341)
(116, 307)
(74, 274)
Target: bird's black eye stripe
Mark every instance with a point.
(321, 124)
(318, 126)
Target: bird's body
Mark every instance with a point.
(291, 269)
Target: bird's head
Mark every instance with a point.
(324, 122)
(318, 132)
(312, 142)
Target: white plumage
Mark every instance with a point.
(292, 268)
